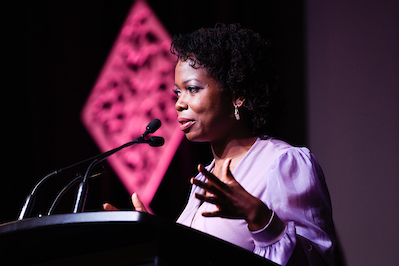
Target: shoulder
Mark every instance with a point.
(282, 155)
(269, 154)
(276, 148)
(290, 164)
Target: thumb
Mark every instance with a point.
(138, 205)
(109, 207)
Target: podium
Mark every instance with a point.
(114, 238)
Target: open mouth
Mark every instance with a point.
(186, 124)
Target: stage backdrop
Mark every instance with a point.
(134, 87)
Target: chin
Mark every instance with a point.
(195, 138)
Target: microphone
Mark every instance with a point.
(71, 184)
(156, 141)
(31, 197)
(81, 195)
(153, 126)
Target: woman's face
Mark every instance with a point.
(204, 112)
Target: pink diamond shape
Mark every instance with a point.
(135, 86)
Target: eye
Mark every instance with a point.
(193, 89)
(177, 92)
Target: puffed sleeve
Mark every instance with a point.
(297, 194)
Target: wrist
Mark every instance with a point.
(258, 216)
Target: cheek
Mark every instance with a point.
(210, 110)
(213, 115)
(200, 106)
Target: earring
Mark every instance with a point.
(236, 114)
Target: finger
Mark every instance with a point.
(211, 177)
(207, 186)
(218, 214)
(109, 207)
(212, 214)
(212, 200)
(138, 205)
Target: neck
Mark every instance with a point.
(234, 148)
(231, 148)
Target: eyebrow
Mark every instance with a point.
(194, 80)
(187, 81)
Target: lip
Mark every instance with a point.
(185, 123)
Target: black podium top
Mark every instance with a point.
(114, 238)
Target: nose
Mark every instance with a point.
(181, 103)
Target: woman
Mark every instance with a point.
(259, 193)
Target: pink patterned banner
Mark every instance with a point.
(135, 86)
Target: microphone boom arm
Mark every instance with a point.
(153, 141)
(83, 186)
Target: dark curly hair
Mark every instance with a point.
(239, 60)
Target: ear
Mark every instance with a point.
(238, 102)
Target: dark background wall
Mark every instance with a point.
(352, 81)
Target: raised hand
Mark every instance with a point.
(138, 205)
(231, 199)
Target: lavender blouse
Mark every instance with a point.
(291, 183)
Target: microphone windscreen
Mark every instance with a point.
(153, 125)
(157, 141)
